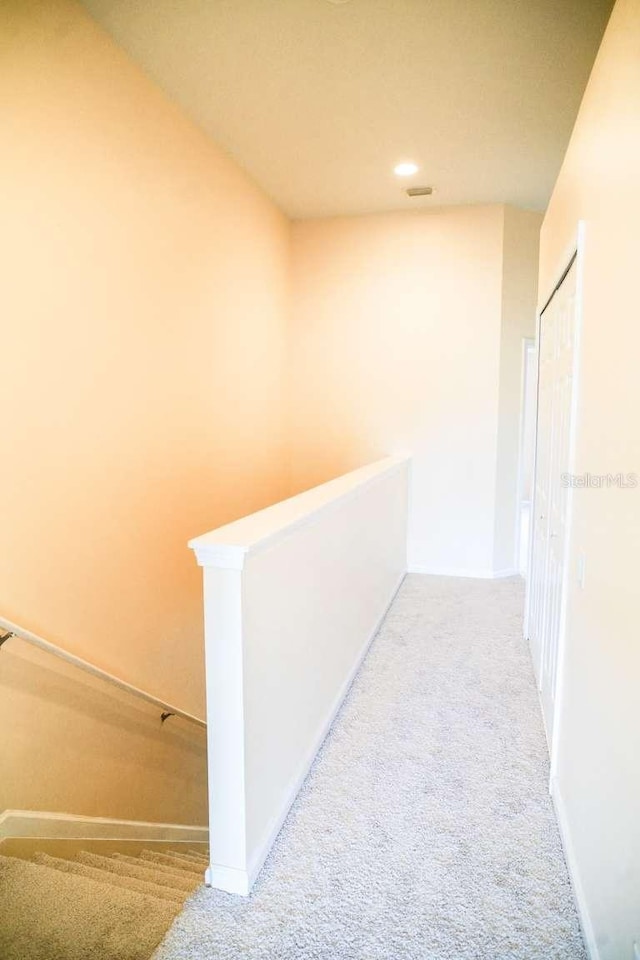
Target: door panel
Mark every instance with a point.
(551, 497)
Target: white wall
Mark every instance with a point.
(597, 768)
(402, 339)
(293, 595)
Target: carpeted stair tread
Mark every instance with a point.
(161, 867)
(191, 861)
(170, 861)
(195, 857)
(114, 879)
(182, 883)
(46, 914)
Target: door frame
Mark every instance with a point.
(575, 252)
(528, 343)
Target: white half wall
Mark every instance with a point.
(294, 595)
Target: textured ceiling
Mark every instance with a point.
(318, 100)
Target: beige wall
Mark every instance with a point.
(598, 773)
(74, 744)
(144, 307)
(396, 345)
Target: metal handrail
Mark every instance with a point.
(13, 630)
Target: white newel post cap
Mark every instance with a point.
(210, 553)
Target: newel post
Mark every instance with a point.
(222, 572)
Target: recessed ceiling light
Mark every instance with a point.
(405, 169)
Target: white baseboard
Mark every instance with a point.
(507, 572)
(229, 879)
(477, 574)
(43, 825)
(588, 932)
(240, 882)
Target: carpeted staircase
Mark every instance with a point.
(93, 907)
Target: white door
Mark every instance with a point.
(556, 366)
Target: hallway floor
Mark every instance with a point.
(425, 829)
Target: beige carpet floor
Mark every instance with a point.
(425, 830)
(92, 907)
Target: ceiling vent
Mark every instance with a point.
(419, 191)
